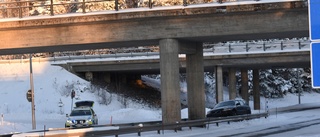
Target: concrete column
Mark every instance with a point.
(219, 84)
(170, 88)
(195, 83)
(256, 90)
(232, 83)
(244, 85)
(89, 76)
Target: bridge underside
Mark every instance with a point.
(299, 59)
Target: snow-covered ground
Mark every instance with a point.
(53, 84)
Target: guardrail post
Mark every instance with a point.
(162, 126)
(230, 48)
(217, 124)
(177, 126)
(281, 45)
(299, 44)
(264, 46)
(247, 47)
(116, 5)
(140, 129)
(20, 10)
(44, 130)
(150, 4)
(213, 49)
(185, 3)
(1, 119)
(267, 106)
(83, 6)
(51, 8)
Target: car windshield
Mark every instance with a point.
(226, 103)
(80, 112)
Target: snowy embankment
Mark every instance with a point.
(53, 84)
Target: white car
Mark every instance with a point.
(82, 115)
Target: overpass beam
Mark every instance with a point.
(232, 83)
(170, 88)
(195, 83)
(219, 84)
(244, 85)
(256, 90)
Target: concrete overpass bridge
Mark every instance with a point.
(149, 63)
(177, 30)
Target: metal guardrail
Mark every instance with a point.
(6, 135)
(21, 8)
(130, 128)
(23, 5)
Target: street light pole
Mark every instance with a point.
(32, 95)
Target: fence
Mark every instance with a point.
(24, 8)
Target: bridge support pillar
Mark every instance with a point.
(89, 76)
(244, 85)
(195, 83)
(170, 88)
(219, 84)
(256, 90)
(232, 83)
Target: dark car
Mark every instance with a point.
(229, 108)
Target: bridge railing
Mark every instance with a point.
(260, 47)
(25, 8)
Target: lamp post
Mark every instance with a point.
(32, 95)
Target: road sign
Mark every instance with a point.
(29, 95)
(315, 64)
(314, 20)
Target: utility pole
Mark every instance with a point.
(32, 95)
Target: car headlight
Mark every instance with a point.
(89, 119)
(68, 121)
